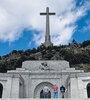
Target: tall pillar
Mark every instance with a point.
(47, 36)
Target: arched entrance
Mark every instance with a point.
(88, 90)
(1, 90)
(38, 92)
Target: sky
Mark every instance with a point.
(22, 27)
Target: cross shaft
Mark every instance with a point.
(47, 37)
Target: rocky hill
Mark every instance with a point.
(77, 54)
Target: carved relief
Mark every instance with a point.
(45, 66)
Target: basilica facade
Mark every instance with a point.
(28, 81)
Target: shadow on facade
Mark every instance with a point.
(1, 90)
(88, 90)
(42, 94)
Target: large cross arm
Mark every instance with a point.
(52, 13)
(43, 13)
(48, 13)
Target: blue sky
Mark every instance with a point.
(22, 27)
(83, 31)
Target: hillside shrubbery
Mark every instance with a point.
(85, 43)
(65, 52)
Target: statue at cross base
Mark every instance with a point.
(47, 42)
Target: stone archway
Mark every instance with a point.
(39, 87)
(1, 90)
(88, 90)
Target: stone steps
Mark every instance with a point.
(45, 99)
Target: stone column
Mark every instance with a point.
(12, 87)
(47, 26)
(74, 88)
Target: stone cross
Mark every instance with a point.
(47, 37)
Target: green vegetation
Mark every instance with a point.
(85, 43)
(77, 54)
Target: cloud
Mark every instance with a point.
(17, 15)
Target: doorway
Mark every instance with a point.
(1, 90)
(88, 90)
(42, 94)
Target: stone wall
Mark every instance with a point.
(46, 65)
(27, 82)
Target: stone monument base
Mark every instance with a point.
(29, 81)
